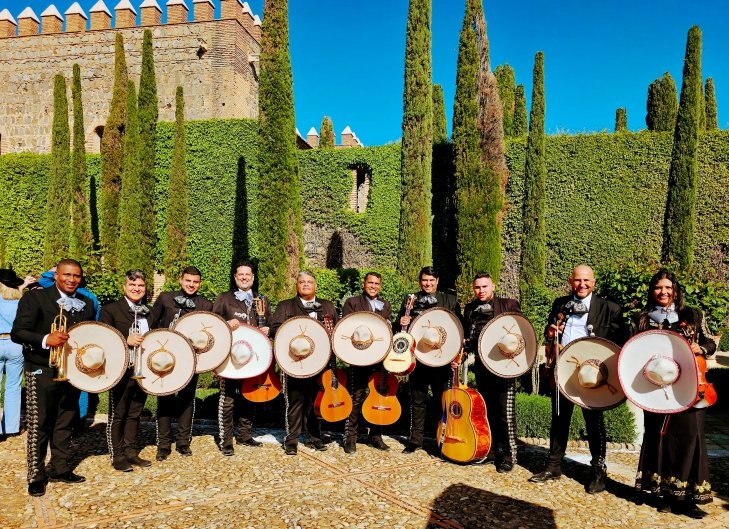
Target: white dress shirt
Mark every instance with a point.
(576, 325)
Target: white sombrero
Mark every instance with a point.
(508, 345)
(362, 338)
(588, 373)
(167, 362)
(302, 347)
(438, 335)
(98, 356)
(658, 372)
(250, 355)
(210, 337)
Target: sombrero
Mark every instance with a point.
(658, 372)
(588, 373)
(302, 347)
(362, 338)
(438, 336)
(167, 362)
(250, 355)
(210, 337)
(98, 356)
(508, 345)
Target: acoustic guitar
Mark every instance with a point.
(264, 387)
(333, 402)
(400, 360)
(463, 432)
(381, 406)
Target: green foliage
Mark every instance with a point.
(279, 185)
(440, 124)
(442, 195)
(326, 133)
(621, 120)
(520, 113)
(680, 215)
(724, 342)
(177, 207)
(338, 284)
(536, 302)
(507, 93)
(662, 105)
(712, 117)
(81, 243)
(415, 238)
(59, 191)
(112, 159)
(534, 234)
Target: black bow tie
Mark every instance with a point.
(427, 300)
(484, 308)
(140, 309)
(184, 302)
(576, 307)
(314, 305)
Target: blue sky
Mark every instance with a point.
(347, 56)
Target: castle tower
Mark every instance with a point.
(52, 20)
(100, 16)
(203, 10)
(312, 138)
(8, 25)
(126, 15)
(75, 18)
(151, 13)
(177, 11)
(28, 23)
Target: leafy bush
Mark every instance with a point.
(536, 303)
(724, 340)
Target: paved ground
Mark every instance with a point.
(263, 488)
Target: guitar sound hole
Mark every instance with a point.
(400, 345)
(456, 409)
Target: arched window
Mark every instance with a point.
(361, 182)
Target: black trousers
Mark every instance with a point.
(182, 406)
(300, 394)
(51, 409)
(560, 428)
(358, 378)
(422, 378)
(499, 395)
(232, 404)
(126, 402)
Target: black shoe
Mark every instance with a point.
(122, 465)
(290, 450)
(162, 454)
(68, 477)
(316, 444)
(411, 448)
(598, 480)
(138, 461)
(664, 506)
(37, 488)
(184, 451)
(248, 442)
(502, 467)
(350, 447)
(695, 512)
(545, 476)
(379, 444)
(227, 450)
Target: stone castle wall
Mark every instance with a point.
(215, 61)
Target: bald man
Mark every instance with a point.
(585, 315)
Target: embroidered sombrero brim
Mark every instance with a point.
(450, 329)
(306, 366)
(355, 354)
(85, 336)
(508, 323)
(213, 325)
(179, 376)
(261, 354)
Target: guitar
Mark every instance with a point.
(463, 432)
(381, 406)
(333, 402)
(400, 360)
(264, 387)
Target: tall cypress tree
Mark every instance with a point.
(326, 134)
(520, 113)
(444, 249)
(415, 236)
(112, 159)
(131, 198)
(148, 115)
(621, 120)
(177, 204)
(669, 103)
(534, 235)
(653, 104)
(59, 213)
(680, 215)
(81, 237)
(440, 126)
(712, 115)
(507, 93)
(279, 220)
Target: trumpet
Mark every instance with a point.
(58, 357)
(135, 353)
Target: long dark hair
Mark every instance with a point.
(650, 303)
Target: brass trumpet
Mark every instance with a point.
(58, 356)
(135, 353)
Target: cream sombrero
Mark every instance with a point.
(658, 372)
(250, 355)
(98, 356)
(362, 338)
(210, 337)
(302, 347)
(588, 373)
(167, 362)
(508, 345)
(438, 335)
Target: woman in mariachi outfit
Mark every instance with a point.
(673, 462)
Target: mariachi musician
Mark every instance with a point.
(126, 400)
(237, 308)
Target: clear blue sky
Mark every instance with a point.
(347, 55)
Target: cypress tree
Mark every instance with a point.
(712, 116)
(112, 159)
(669, 104)
(59, 213)
(415, 236)
(148, 115)
(507, 93)
(534, 238)
(440, 130)
(652, 105)
(279, 221)
(621, 120)
(520, 113)
(81, 237)
(326, 139)
(680, 215)
(444, 250)
(131, 197)
(177, 206)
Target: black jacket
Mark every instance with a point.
(446, 301)
(164, 309)
(473, 324)
(605, 317)
(119, 315)
(292, 307)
